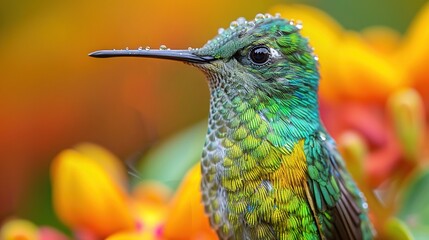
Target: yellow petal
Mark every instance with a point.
(18, 229)
(86, 197)
(414, 53)
(131, 236)
(186, 218)
(363, 73)
(150, 218)
(109, 162)
(382, 39)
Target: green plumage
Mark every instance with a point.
(269, 168)
(270, 171)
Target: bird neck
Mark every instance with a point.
(282, 117)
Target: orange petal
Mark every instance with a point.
(151, 192)
(384, 40)
(363, 73)
(86, 197)
(186, 218)
(414, 54)
(131, 236)
(19, 229)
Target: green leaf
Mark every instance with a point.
(414, 211)
(168, 162)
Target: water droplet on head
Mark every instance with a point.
(277, 15)
(299, 24)
(140, 48)
(241, 20)
(250, 24)
(126, 49)
(162, 47)
(114, 49)
(190, 49)
(147, 48)
(220, 30)
(233, 24)
(365, 205)
(316, 58)
(291, 22)
(259, 17)
(267, 15)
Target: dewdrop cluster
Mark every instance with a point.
(241, 26)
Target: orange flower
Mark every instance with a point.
(186, 218)
(90, 196)
(413, 56)
(351, 67)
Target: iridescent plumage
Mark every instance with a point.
(270, 170)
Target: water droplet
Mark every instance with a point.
(147, 48)
(250, 24)
(220, 30)
(241, 20)
(364, 205)
(114, 49)
(233, 24)
(190, 49)
(140, 48)
(299, 24)
(126, 49)
(322, 136)
(162, 47)
(316, 58)
(259, 17)
(277, 15)
(267, 15)
(292, 22)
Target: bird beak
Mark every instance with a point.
(188, 56)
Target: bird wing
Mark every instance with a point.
(334, 196)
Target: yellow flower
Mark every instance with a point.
(87, 195)
(18, 229)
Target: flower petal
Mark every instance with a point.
(414, 53)
(19, 229)
(109, 162)
(186, 218)
(86, 197)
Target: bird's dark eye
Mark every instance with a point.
(259, 55)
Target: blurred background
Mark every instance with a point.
(53, 96)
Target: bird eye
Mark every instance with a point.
(259, 55)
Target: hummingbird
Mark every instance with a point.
(270, 170)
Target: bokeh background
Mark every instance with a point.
(53, 96)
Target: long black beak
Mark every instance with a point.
(178, 55)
